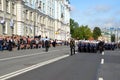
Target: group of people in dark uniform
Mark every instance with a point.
(88, 46)
(95, 46)
(110, 46)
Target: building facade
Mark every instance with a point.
(35, 17)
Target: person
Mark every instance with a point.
(72, 47)
(47, 44)
(101, 46)
(1, 43)
(54, 43)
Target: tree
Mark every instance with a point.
(73, 26)
(85, 32)
(113, 38)
(96, 33)
(82, 32)
(79, 32)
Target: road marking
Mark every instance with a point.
(27, 55)
(100, 79)
(13, 74)
(103, 53)
(102, 61)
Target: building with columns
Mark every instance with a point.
(35, 17)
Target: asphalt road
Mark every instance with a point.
(16, 60)
(81, 66)
(77, 67)
(110, 70)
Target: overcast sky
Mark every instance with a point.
(101, 13)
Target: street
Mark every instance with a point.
(56, 64)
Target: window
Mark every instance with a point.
(50, 11)
(30, 2)
(27, 14)
(43, 7)
(30, 15)
(4, 28)
(7, 6)
(13, 7)
(39, 5)
(0, 5)
(26, 29)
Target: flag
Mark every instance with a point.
(3, 21)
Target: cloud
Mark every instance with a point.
(102, 8)
(105, 22)
(72, 7)
(97, 10)
(117, 12)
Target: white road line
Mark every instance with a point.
(102, 61)
(13, 74)
(100, 79)
(103, 53)
(26, 55)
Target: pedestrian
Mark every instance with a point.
(1, 43)
(47, 44)
(54, 43)
(101, 46)
(10, 44)
(72, 47)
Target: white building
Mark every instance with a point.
(35, 17)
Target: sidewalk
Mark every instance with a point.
(4, 54)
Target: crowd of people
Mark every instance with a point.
(22, 42)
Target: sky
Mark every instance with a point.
(96, 13)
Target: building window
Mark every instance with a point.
(62, 15)
(27, 14)
(13, 7)
(4, 28)
(30, 2)
(39, 5)
(0, 5)
(43, 7)
(30, 15)
(7, 6)
(50, 11)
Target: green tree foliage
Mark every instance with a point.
(79, 32)
(96, 33)
(85, 32)
(73, 26)
(113, 38)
